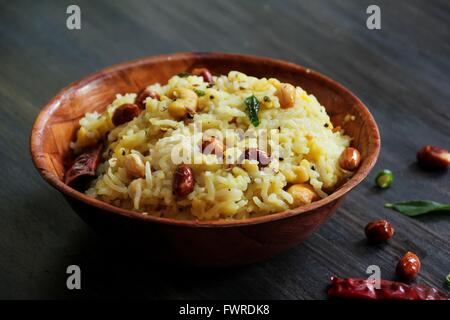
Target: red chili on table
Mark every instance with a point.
(389, 290)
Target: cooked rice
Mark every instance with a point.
(229, 191)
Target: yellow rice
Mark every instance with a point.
(303, 133)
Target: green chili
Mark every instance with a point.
(384, 179)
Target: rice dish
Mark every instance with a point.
(238, 115)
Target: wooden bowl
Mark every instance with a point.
(199, 243)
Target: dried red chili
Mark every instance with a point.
(389, 290)
(84, 165)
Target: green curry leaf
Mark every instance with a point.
(252, 104)
(417, 207)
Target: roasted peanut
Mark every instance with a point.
(286, 95)
(302, 194)
(256, 154)
(185, 103)
(379, 231)
(204, 73)
(433, 157)
(143, 95)
(183, 180)
(350, 159)
(212, 145)
(409, 266)
(125, 113)
(134, 166)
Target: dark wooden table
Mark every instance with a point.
(402, 72)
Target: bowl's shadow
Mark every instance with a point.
(426, 172)
(110, 271)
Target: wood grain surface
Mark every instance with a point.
(402, 72)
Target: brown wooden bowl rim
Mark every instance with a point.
(38, 155)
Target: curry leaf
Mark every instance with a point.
(417, 207)
(252, 104)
